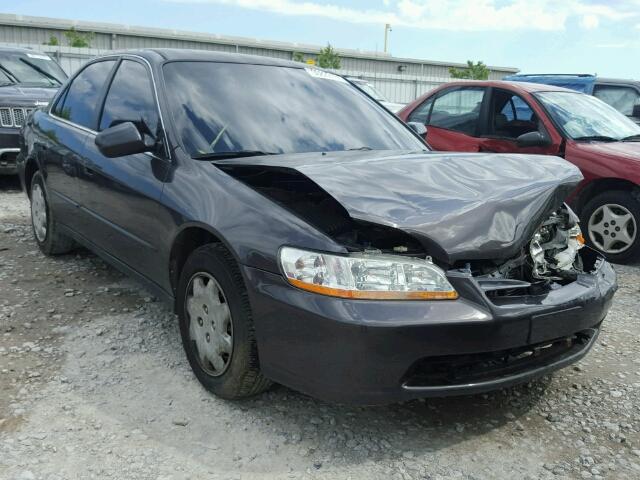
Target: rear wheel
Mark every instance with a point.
(216, 324)
(45, 229)
(611, 220)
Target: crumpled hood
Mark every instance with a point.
(462, 206)
(24, 95)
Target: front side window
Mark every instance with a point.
(510, 116)
(227, 107)
(130, 99)
(583, 117)
(622, 99)
(458, 110)
(79, 104)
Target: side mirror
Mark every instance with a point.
(120, 140)
(418, 127)
(532, 139)
(636, 111)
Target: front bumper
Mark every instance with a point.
(9, 149)
(375, 352)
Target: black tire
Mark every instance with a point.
(628, 200)
(54, 242)
(242, 377)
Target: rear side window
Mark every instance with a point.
(80, 102)
(621, 98)
(458, 110)
(130, 99)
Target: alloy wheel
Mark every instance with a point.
(612, 228)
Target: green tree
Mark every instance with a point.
(474, 71)
(78, 39)
(328, 58)
(53, 40)
(298, 57)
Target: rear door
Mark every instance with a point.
(508, 116)
(64, 134)
(123, 194)
(452, 118)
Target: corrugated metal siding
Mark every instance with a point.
(400, 80)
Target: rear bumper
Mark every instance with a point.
(374, 352)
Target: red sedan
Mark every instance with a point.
(506, 117)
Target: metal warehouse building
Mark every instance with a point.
(399, 79)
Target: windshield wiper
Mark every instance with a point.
(597, 138)
(359, 148)
(12, 78)
(41, 71)
(236, 154)
(631, 138)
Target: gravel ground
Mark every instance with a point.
(94, 384)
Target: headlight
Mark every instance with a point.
(365, 276)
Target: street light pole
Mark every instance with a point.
(387, 29)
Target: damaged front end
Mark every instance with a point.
(555, 256)
(514, 236)
(439, 282)
(554, 247)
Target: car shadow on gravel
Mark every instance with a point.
(398, 430)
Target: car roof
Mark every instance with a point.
(160, 55)
(559, 77)
(521, 87)
(621, 81)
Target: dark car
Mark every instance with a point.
(28, 80)
(519, 117)
(621, 94)
(302, 245)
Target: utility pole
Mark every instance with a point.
(387, 29)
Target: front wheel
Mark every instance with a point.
(611, 220)
(216, 324)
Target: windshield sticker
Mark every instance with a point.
(39, 57)
(314, 72)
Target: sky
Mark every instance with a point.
(536, 36)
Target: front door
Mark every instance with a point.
(122, 194)
(508, 116)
